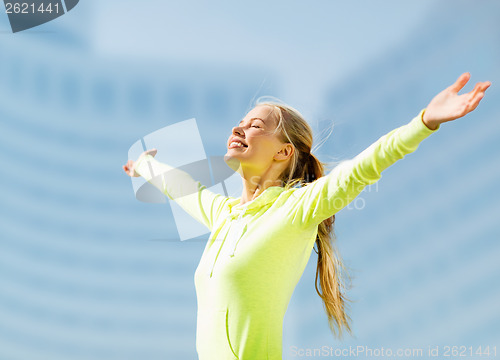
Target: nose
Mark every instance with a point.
(237, 130)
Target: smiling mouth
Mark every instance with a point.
(235, 145)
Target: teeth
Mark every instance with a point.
(236, 143)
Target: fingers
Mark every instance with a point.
(460, 83)
(128, 168)
(479, 89)
(477, 94)
(474, 103)
(476, 90)
(485, 85)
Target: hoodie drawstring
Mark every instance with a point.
(236, 230)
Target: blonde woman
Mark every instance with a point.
(261, 242)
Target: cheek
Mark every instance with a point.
(267, 149)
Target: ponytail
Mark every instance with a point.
(330, 269)
(305, 168)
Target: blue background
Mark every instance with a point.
(88, 272)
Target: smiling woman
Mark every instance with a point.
(261, 242)
(258, 150)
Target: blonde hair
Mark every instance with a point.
(304, 168)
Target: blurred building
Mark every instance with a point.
(419, 259)
(88, 272)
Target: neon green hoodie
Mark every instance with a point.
(257, 252)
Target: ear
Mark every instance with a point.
(285, 152)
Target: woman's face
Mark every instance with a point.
(256, 144)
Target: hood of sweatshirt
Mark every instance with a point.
(268, 196)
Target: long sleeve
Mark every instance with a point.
(329, 194)
(178, 185)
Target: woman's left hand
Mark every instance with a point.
(448, 105)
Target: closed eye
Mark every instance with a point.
(256, 126)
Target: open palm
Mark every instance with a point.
(448, 105)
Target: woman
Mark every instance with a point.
(261, 242)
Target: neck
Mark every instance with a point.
(254, 185)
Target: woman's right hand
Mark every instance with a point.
(129, 167)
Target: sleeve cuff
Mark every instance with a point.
(423, 126)
(414, 132)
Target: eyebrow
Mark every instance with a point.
(253, 119)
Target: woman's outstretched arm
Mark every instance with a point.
(328, 195)
(201, 203)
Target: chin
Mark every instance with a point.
(231, 153)
(232, 162)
